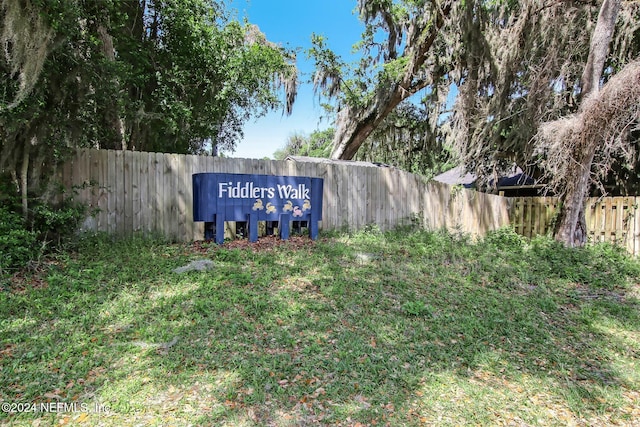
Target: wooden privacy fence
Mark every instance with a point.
(133, 191)
(610, 219)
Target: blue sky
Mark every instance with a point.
(291, 23)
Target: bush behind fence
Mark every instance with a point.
(132, 191)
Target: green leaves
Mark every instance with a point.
(318, 144)
(17, 244)
(170, 76)
(209, 77)
(329, 68)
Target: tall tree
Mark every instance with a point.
(529, 103)
(603, 122)
(155, 75)
(515, 66)
(317, 144)
(409, 64)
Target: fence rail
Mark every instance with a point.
(133, 191)
(610, 219)
(151, 193)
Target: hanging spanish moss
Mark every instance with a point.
(26, 40)
(524, 69)
(407, 140)
(609, 117)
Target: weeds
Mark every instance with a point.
(402, 328)
(45, 228)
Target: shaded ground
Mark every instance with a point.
(408, 328)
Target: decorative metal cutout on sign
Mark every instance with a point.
(220, 197)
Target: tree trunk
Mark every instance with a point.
(352, 131)
(571, 228)
(137, 126)
(24, 175)
(114, 121)
(599, 47)
(355, 124)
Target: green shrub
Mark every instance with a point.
(47, 227)
(17, 243)
(57, 224)
(505, 239)
(602, 265)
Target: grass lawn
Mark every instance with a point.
(404, 328)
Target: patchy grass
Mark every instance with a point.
(404, 328)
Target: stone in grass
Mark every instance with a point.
(365, 258)
(197, 265)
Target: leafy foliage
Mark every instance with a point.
(313, 333)
(56, 224)
(175, 76)
(48, 227)
(513, 66)
(505, 239)
(406, 140)
(401, 140)
(416, 308)
(318, 144)
(17, 244)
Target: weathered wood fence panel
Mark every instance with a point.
(131, 192)
(610, 219)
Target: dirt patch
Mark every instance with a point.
(33, 277)
(266, 243)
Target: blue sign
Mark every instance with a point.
(220, 197)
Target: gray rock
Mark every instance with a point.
(365, 258)
(197, 265)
